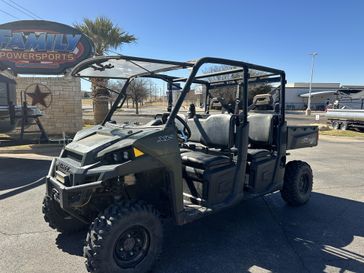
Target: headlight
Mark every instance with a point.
(122, 155)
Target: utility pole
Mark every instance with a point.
(308, 110)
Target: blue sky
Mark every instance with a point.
(277, 33)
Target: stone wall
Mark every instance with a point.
(59, 98)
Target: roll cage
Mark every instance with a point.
(129, 68)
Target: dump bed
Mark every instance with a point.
(301, 137)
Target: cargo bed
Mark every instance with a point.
(301, 137)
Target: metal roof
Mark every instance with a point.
(313, 94)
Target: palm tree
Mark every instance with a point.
(105, 35)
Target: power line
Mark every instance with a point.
(18, 9)
(27, 10)
(3, 11)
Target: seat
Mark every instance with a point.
(215, 131)
(203, 160)
(208, 177)
(208, 173)
(258, 153)
(261, 129)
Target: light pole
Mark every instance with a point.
(308, 110)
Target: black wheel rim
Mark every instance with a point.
(304, 184)
(131, 247)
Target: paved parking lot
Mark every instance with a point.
(261, 235)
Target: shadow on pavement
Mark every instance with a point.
(262, 235)
(21, 174)
(72, 243)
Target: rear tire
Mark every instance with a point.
(298, 181)
(344, 126)
(58, 219)
(126, 238)
(335, 125)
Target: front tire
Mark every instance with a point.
(126, 238)
(59, 219)
(298, 181)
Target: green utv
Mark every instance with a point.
(121, 179)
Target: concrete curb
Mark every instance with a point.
(341, 138)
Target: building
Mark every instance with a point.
(321, 94)
(7, 101)
(7, 89)
(55, 100)
(59, 99)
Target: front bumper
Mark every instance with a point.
(70, 197)
(75, 192)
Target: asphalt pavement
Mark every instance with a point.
(260, 235)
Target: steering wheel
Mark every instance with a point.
(185, 133)
(227, 106)
(182, 134)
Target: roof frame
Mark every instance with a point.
(91, 62)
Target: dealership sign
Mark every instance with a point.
(42, 47)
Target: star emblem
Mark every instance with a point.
(38, 97)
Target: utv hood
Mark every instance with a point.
(96, 141)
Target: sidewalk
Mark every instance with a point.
(33, 151)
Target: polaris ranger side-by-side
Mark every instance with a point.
(122, 178)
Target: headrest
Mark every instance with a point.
(263, 102)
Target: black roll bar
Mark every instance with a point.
(119, 99)
(193, 78)
(242, 66)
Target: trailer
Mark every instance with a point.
(345, 118)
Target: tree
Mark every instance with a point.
(229, 92)
(115, 85)
(137, 91)
(105, 35)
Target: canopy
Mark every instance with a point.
(313, 94)
(124, 67)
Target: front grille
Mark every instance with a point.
(63, 173)
(64, 168)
